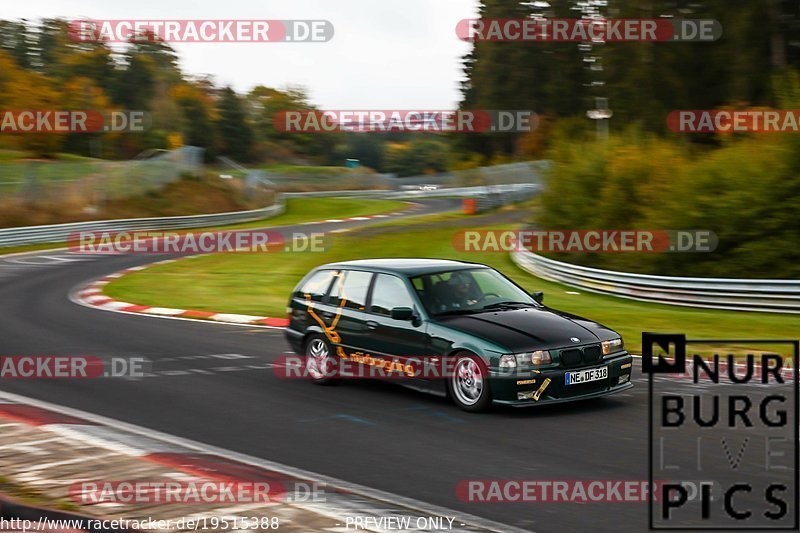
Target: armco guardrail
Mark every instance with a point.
(512, 192)
(775, 296)
(496, 194)
(61, 232)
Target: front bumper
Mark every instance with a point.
(526, 389)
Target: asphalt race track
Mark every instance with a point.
(204, 387)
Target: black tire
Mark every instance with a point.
(320, 365)
(468, 386)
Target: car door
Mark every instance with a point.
(389, 337)
(345, 309)
(307, 299)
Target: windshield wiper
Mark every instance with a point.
(508, 305)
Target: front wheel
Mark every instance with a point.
(469, 384)
(320, 366)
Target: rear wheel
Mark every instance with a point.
(320, 366)
(468, 385)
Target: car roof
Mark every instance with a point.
(406, 266)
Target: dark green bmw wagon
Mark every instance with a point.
(450, 327)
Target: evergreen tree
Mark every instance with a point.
(235, 135)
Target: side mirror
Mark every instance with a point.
(538, 296)
(402, 313)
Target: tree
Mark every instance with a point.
(15, 40)
(96, 65)
(135, 83)
(368, 148)
(162, 56)
(265, 104)
(197, 127)
(643, 81)
(419, 156)
(26, 90)
(235, 135)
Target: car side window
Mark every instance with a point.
(389, 292)
(317, 285)
(351, 287)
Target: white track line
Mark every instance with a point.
(74, 299)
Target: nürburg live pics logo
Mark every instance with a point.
(723, 433)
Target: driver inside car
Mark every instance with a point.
(460, 292)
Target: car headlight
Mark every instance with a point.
(508, 361)
(614, 345)
(539, 357)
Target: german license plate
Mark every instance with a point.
(585, 376)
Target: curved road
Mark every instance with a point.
(205, 388)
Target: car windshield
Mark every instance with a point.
(469, 291)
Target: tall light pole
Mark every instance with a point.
(600, 114)
(590, 11)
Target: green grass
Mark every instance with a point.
(311, 209)
(10, 155)
(259, 284)
(297, 210)
(76, 157)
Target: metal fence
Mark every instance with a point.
(500, 195)
(98, 181)
(303, 179)
(524, 172)
(308, 179)
(61, 232)
(92, 181)
(487, 197)
(776, 296)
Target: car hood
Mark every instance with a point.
(522, 330)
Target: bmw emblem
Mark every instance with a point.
(575, 339)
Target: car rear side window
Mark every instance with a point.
(352, 287)
(388, 292)
(317, 285)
